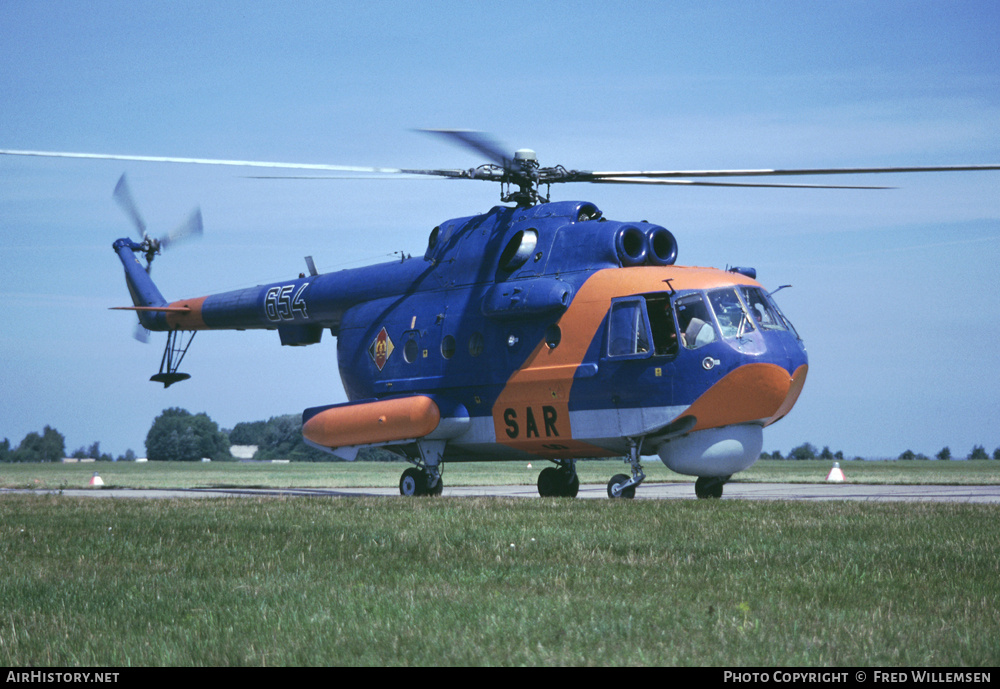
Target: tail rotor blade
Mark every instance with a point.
(141, 334)
(123, 196)
(192, 227)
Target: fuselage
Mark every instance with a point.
(535, 332)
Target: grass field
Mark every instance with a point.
(368, 581)
(386, 474)
(463, 581)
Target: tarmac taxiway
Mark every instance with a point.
(989, 494)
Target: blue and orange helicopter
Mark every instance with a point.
(537, 330)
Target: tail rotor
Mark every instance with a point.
(151, 246)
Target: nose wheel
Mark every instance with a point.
(618, 487)
(623, 485)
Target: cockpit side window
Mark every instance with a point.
(694, 321)
(734, 321)
(628, 332)
(763, 312)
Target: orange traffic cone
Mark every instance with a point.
(95, 480)
(835, 475)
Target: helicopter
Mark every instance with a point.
(539, 329)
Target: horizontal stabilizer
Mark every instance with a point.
(158, 309)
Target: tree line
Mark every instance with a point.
(178, 435)
(809, 451)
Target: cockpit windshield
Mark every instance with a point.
(694, 321)
(734, 321)
(764, 310)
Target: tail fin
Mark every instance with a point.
(146, 298)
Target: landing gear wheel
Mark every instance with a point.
(547, 482)
(413, 482)
(558, 483)
(709, 486)
(615, 492)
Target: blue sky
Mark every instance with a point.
(895, 292)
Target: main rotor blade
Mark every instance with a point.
(211, 161)
(244, 163)
(657, 174)
(688, 182)
(477, 141)
(123, 196)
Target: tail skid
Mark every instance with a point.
(173, 354)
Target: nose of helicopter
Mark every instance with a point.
(752, 393)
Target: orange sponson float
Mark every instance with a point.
(379, 421)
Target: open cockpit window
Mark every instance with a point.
(628, 331)
(661, 321)
(694, 321)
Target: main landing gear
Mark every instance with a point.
(425, 477)
(559, 481)
(417, 481)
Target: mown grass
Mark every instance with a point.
(386, 474)
(455, 581)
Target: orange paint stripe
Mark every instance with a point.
(190, 316)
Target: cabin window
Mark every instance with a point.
(476, 344)
(628, 331)
(734, 321)
(694, 321)
(448, 346)
(411, 348)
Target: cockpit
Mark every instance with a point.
(660, 324)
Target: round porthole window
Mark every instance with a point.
(410, 351)
(476, 344)
(448, 347)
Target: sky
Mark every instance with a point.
(896, 293)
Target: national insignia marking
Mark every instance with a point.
(380, 349)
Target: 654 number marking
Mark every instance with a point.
(281, 305)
